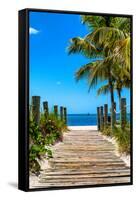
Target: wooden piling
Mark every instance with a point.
(61, 113)
(105, 114)
(98, 118)
(56, 110)
(36, 109)
(112, 116)
(101, 118)
(45, 108)
(123, 113)
(65, 115)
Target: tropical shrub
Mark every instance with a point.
(107, 130)
(123, 139)
(37, 147)
(49, 131)
(52, 128)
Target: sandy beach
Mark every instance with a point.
(92, 128)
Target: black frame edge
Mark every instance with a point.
(23, 181)
(79, 12)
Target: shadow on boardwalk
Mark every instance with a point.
(83, 158)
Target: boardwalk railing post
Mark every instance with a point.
(36, 108)
(61, 113)
(123, 113)
(101, 118)
(98, 118)
(105, 114)
(45, 108)
(112, 116)
(56, 110)
(65, 115)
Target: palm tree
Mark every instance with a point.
(121, 55)
(104, 32)
(105, 89)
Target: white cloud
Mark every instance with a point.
(33, 31)
(58, 83)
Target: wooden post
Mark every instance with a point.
(36, 109)
(61, 113)
(105, 114)
(45, 108)
(65, 115)
(123, 113)
(56, 110)
(101, 118)
(98, 118)
(114, 118)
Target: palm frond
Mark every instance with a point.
(84, 71)
(100, 72)
(103, 89)
(93, 71)
(104, 36)
(122, 23)
(122, 52)
(93, 22)
(80, 45)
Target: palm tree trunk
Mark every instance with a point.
(119, 96)
(112, 99)
(111, 90)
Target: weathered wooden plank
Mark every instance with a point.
(79, 177)
(92, 181)
(84, 158)
(100, 169)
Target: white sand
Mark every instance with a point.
(92, 128)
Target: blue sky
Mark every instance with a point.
(52, 69)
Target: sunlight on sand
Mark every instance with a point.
(82, 128)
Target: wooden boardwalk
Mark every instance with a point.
(84, 158)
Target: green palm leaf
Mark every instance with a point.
(93, 22)
(103, 89)
(122, 52)
(105, 36)
(80, 45)
(84, 71)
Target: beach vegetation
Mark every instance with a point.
(42, 137)
(122, 137)
(107, 131)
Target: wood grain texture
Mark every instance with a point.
(84, 158)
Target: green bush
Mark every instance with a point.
(37, 147)
(123, 139)
(49, 131)
(52, 128)
(107, 131)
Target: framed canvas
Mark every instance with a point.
(75, 99)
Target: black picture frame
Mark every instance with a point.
(23, 139)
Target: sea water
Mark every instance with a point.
(86, 119)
